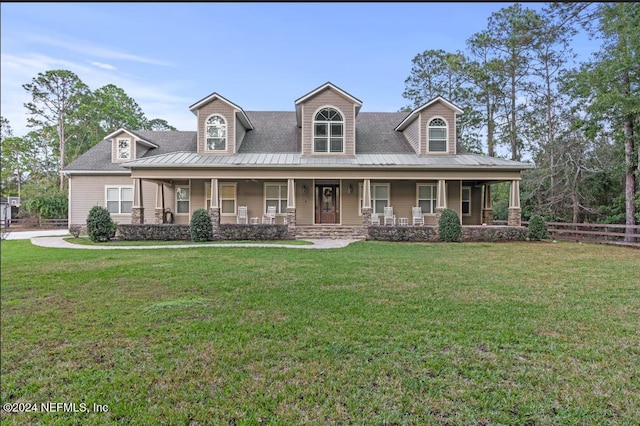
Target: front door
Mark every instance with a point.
(327, 204)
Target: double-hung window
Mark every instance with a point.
(437, 135)
(427, 198)
(227, 195)
(379, 197)
(328, 131)
(182, 199)
(119, 199)
(466, 200)
(275, 195)
(216, 131)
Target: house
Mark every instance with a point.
(326, 164)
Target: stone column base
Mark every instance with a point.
(438, 212)
(366, 216)
(158, 215)
(514, 217)
(137, 215)
(214, 212)
(487, 216)
(291, 220)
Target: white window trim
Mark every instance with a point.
(226, 133)
(434, 193)
(120, 188)
(118, 157)
(373, 197)
(280, 200)
(176, 199)
(220, 199)
(446, 137)
(462, 188)
(313, 132)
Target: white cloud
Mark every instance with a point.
(103, 66)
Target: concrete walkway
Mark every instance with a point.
(59, 242)
(27, 235)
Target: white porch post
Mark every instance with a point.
(291, 205)
(487, 207)
(514, 205)
(214, 208)
(441, 196)
(367, 211)
(137, 210)
(159, 210)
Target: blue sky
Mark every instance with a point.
(263, 56)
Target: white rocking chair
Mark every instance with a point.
(389, 217)
(242, 215)
(375, 219)
(270, 216)
(418, 219)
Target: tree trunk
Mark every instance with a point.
(630, 183)
(62, 149)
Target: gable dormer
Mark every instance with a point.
(431, 128)
(127, 146)
(327, 117)
(221, 125)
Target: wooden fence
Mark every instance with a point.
(32, 222)
(595, 232)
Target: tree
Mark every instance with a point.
(55, 98)
(159, 125)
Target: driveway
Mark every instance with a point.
(27, 235)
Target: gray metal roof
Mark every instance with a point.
(276, 141)
(194, 160)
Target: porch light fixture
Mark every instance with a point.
(304, 189)
(350, 189)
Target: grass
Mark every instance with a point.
(375, 333)
(86, 241)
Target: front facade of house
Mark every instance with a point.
(323, 164)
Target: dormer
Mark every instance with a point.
(127, 146)
(222, 125)
(327, 117)
(431, 128)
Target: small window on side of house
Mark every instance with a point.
(124, 149)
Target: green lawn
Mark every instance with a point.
(87, 242)
(375, 333)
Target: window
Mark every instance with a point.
(427, 198)
(328, 131)
(379, 197)
(216, 131)
(275, 194)
(466, 200)
(182, 199)
(124, 149)
(119, 199)
(437, 135)
(227, 195)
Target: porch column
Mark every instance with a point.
(441, 199)
(159, 210)
(214, 209)
(137, 211)
(514, 205)
(487, 207)
(291, 206)
(366, 203)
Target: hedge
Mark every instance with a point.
(153, 231)
(252, 232)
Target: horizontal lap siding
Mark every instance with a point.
(438, 109)
(304, 203)
(412, 134)
(89, 191)
(345, 106)
(222, 108)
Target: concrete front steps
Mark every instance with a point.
(331, 232)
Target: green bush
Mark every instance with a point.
(100, 226)
(538, 228)
(75, 230)
(449, 226)
(200, 227)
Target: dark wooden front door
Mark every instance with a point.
(327, 204)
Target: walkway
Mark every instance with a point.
(59, 242)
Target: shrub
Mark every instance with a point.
(253, 232)
(75, 230)
(154, 232)
(538, 228)
(100, 226)
(449, 226)
(200, 226)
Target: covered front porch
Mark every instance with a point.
(318, 202)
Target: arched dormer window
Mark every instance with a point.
(328, 131)
(437, 135)
(216, 131)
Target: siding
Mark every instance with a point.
(438, 109)
(89, 191)
(329, 98)
(217, 107)
(350, 205)
(240, 132)
(412, 134)
(304, 203)
(114, 147)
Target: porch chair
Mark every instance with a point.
(375, 219)
(242, 215)
(389, 217)
(418, 219)
(270, 216)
